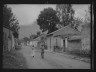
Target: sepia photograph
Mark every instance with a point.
(47, 36)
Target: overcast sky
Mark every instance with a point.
(28, 13)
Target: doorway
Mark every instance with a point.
(63, 45)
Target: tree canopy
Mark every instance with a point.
(65, 13)
(47, 20)
(32, 36)
(26, 39)
(9, 19)
(76, 23)
(88, 15)
(38, 33)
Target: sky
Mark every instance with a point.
(28, 13)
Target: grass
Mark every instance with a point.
(13, 60)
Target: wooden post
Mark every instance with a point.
(56, 41)
(61, 44)
(66, 43)
(50, 43)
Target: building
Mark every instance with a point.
(33, 43)
(65, 38)
(9, 39)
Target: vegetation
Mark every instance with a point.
(57, 49)
(81, 53)
(47, 20)
(9, 19)
(26, 39)
(50, 20)
(76, 23)
(65, 13)
(38, 33)
(33, 36)
(88, 15)
(13, 60)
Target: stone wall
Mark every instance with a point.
(74, 45)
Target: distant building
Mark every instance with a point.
(38, 40)
(33, 43)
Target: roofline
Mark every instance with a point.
(56, 30)
(8, 28)
(36, 38)
(60, 29)
(39, 36)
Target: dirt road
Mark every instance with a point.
(51, 61)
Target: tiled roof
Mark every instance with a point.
(39, 38)
(67, 30)
(74, 37)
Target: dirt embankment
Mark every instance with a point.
(14, 60)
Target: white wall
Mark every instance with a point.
(11, 42)
(33, 43)
(53, 42)
(62, 43)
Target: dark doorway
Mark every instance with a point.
(63, 45)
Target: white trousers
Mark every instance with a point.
(33, 53)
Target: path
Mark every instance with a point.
(51, 61)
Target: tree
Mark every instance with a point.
(38, 33)
(47, 20)
(88, 15)
(26, 39)
(9, 19)
(7, 15)
(15, 25)
(65, 13)
(76, 23)
(32, 36)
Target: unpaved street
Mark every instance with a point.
(51, 61)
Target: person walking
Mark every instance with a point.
(33, 51)
(42, 49)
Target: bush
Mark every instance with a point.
(17, 47)
(13, 60)
(85, 53)
(57, 49)
(82, 53)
